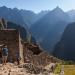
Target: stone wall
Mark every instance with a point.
(10, 37)
(33, 54)
(27, 54)
(42, 59)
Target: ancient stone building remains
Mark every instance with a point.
(11, 38)
(33, 54)
(42, 59)
(18, 48)
(28, 52)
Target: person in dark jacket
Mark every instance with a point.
(4, 54)
(18, 58)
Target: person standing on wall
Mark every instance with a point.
(4, 54)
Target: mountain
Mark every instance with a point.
(31, 17)
(50, 27)
(71, 13)
(40, 15)
(53, 36)
(22, 17)
(12, 15)
(28, 16)
(65, 48)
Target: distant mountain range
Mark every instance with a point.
(22, 17)
(12, 15)
(49, 28)
(65, 48)
(46, 27)
(31, 17)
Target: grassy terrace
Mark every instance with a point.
(57, 69)
(69, 69)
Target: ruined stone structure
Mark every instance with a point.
(42, 59)
(29, 50)
(33, 54)
(11, 38)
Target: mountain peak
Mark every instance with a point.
(4, 7)
(57, 9)
(16, 9)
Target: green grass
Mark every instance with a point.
(57, 69)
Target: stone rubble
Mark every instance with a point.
(23, 69)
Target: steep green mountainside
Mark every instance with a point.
(65, 48)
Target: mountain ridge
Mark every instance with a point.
(44, 28)
(65, 48)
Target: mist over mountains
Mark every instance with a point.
(46, 27)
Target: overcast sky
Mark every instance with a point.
(38, 5)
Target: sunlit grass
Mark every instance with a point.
(57, 69)
(69, 69)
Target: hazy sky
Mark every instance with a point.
(38, 5)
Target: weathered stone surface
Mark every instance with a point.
(11, 38)
(39, 59)
(31, 68)
(23, 69)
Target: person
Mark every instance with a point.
(4, 54)
(18, 58)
